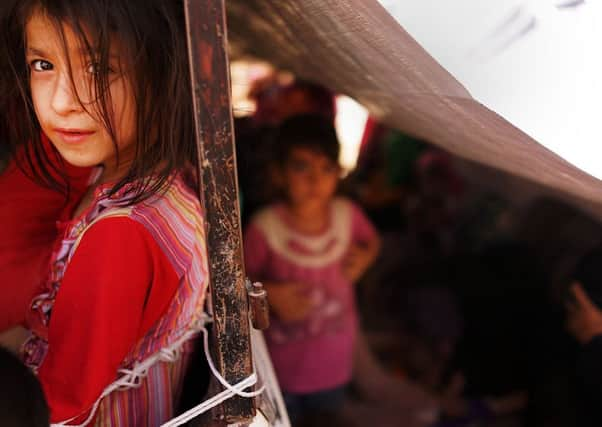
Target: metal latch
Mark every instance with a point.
(258, 305)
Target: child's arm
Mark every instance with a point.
(117, 285)
(364, 248)
(286, 300)
(359, 258)
(584, 318)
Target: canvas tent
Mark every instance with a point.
(534, 62)
(357, 48)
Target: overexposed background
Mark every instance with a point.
(537, 63)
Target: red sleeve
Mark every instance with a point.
(362, 229)
(28, 214)
(256, 253)
(116, 286)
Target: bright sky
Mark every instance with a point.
(350, 122)
(548, 83)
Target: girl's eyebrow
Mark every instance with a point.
(35, 51)
(39, 52)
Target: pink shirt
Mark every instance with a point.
(315, 354)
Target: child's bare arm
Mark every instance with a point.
(584, 318)
(359, 258)
(288, 301)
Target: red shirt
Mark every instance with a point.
(118, 264)
(117, 285)
(28, 213)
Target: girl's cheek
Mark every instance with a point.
(37, 97)
(295, 177)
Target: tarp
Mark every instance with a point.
(357, 48)
(534, 62)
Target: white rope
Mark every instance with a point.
(231, 390)
(132, 378)
(235, 390)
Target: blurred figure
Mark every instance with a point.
(433, 326)
(384, 174)
(277, 101)
(255, 144)
(309, 249)
(431, 206)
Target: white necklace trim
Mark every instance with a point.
(280, 235)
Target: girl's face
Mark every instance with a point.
(310, 178)
(62, 90)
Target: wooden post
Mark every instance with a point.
(210, 73)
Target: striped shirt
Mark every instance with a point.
(124, 284)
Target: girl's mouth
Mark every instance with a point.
(73, 136)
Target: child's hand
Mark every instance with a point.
(289, 301)
(357, 261)
(584, 318)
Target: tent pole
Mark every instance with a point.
(210, 74)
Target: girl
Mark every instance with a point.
(309, 250)
(110, 332)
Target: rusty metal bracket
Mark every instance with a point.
(258, 303)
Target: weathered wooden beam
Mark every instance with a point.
(207, 45)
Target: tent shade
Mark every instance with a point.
(355, 47)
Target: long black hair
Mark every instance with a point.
(152, 41)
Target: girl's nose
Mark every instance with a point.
(64, 98)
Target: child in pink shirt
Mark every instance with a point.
(309, 250)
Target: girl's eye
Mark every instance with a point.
(94, 68)
(40, 65)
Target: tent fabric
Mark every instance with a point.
(355, 47)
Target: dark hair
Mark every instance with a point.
(313, 131)
(274, 103)
(322, 99)
(22, 402)
(154, 56)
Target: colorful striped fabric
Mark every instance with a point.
(150, 404)
(175, 221)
